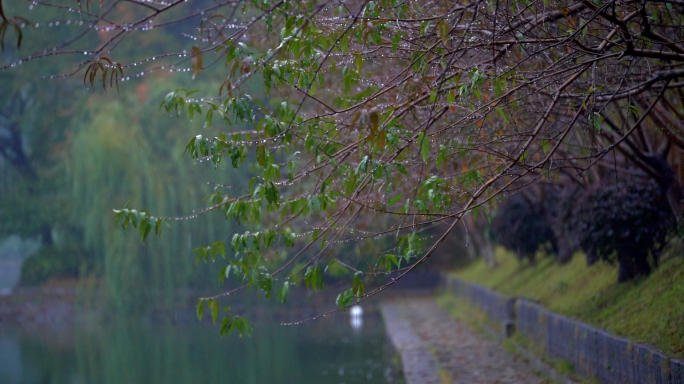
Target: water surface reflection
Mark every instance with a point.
(141, 352)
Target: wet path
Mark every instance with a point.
(430, 338)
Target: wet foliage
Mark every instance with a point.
(625, 221)
(380, 121)
(66, 262)
(520, 227)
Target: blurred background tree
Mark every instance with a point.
(68, 155)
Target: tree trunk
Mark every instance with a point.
(631, 267)
(479, 245)
(46, 235)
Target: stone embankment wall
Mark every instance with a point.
(418, 363)
(594, 353)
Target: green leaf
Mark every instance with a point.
(502, 114)
(375, 120)
(424, 143)
(261, 154)
(635, 110)
(363, 165)
(214, 307)
(390, 260)
(272, 194)
(313, 278)
(209, 120)
(290, 170)
(358, 61)
(545, 146)
(236, 323)
(358, 288)
(288, 239)
(223, 273)
(443, 31)
(344, 299)
(395, 42)
(407, 206)
(441, 158)
(498, 85)
(395, 199)
(269, 237)
(220, 247)
(282, 294)
(157, 227)
(266, 283)
(200, 309)
(314, 203)
(145, 228)
(424, 27)
(344, 42)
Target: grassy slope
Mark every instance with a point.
(650, 310)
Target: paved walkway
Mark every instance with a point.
(418, 326)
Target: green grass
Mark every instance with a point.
(649, 310)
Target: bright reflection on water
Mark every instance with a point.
(320, 352)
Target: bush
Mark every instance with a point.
(625, 220)
(520, 227)
(52, 261)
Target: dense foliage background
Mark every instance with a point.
(348, 137)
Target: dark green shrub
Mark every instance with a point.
(521, 228)
(625, 221)
(52, 261)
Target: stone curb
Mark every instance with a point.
(418, 364)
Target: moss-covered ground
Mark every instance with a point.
(649, 310)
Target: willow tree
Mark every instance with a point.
(65, 163)
(388, 119)
(120, 153)
(81, 165)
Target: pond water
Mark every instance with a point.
(331, 350)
